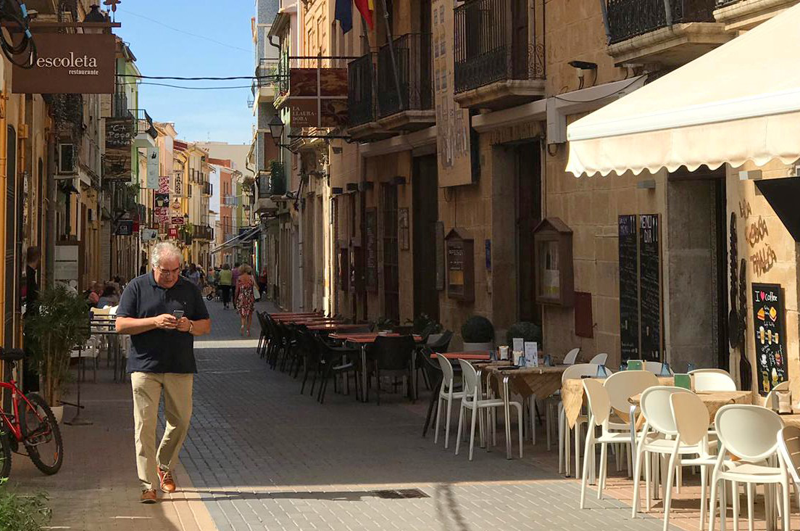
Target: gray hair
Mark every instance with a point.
(164, 250)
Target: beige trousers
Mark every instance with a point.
(147, 389)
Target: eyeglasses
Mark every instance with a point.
(169, 271)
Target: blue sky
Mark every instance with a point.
(220, 115)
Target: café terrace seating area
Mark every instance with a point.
(725, 453)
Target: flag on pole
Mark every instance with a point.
(344, 14)
(365, 8)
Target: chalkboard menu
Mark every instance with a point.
(628, 288)
(769, 326)
(460, 266)
(370, 239)
(650, 286)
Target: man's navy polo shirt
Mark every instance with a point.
(161, 350)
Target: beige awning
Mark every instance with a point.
(737, 103)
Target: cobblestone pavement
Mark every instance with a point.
(265, 457)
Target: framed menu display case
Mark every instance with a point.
(553, 263)
(460, 261)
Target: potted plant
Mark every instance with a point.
(478, 334)
(424, 325)
(384, 324)
(60, 325)
(525, 331)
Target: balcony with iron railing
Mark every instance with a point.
(667, 32)
(208, 189)
(405, 101)
(145, 130)
(496, 64)
(362, 100)
(264, 85)
(742, 15)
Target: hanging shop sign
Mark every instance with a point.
(152, 168)
(161, 214)
(162, 200)
(178, 220)
(163, 184)
(149, 235)
(117, 161)
(317, 97)
(178, 188)
(124, 227)
(77, 63)
(172, 233)
(769, 320)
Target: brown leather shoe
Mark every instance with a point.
(149, 496)
(167, 481)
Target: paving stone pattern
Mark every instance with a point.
(262, 456)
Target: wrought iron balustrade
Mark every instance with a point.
(631, 18)
(412, 58)
(485, 48)
(144, 124)
(361, 92)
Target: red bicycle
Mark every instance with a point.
(31, 423)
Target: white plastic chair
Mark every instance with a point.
(656, 367)
(599, 359)
(751, 434)
(571, 356)
(789, 448)
(599, 415)
(712, 380)
(669, 438)
(474, 401)
(771, 402)
(446, 394)
(571, 373)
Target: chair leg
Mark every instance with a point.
(703, 492)
(438, 418)
(603, 470)
(637, 474)
(668, 486)
(585, 475)
(460, 423)
(750, 506)
(519, 420)
(735, 493)
(474, 413)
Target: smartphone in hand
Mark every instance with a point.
(177, 314)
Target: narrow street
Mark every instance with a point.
(262, 456)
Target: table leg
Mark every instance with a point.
(364, 382)
(632, 420)
(507, 413)
(112, 341)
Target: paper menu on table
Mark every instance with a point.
(531, 354)
(518, 344)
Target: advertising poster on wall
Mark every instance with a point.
(452, 122)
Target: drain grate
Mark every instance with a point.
(400, 494)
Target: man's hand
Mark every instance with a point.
(183, 324)
(166, 321)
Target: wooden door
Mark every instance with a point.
(391, 273)
(529, 214)
(426, 214)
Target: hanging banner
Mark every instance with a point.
(163, 184)
(161, 214)
(452, 122)
(317, 97)
(177, 189)
(152, 168)
(69, 63)
(117, 161)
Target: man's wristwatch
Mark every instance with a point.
(191, 326)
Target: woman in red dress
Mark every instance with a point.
(245, 299)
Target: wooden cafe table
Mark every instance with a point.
(336, 327)
(529, 382)
(365, 339)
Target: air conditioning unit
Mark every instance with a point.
(67, 155)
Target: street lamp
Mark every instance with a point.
(276, 128)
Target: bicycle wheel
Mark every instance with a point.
(5, 454)
(42, 437)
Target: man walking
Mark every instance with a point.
(162, 312)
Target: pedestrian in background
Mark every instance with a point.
(236, 274)
(225, 284)
(161, 359)
(194, 275)
(109, 297)
(30, 373)
(262, 282)
(245, 298)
